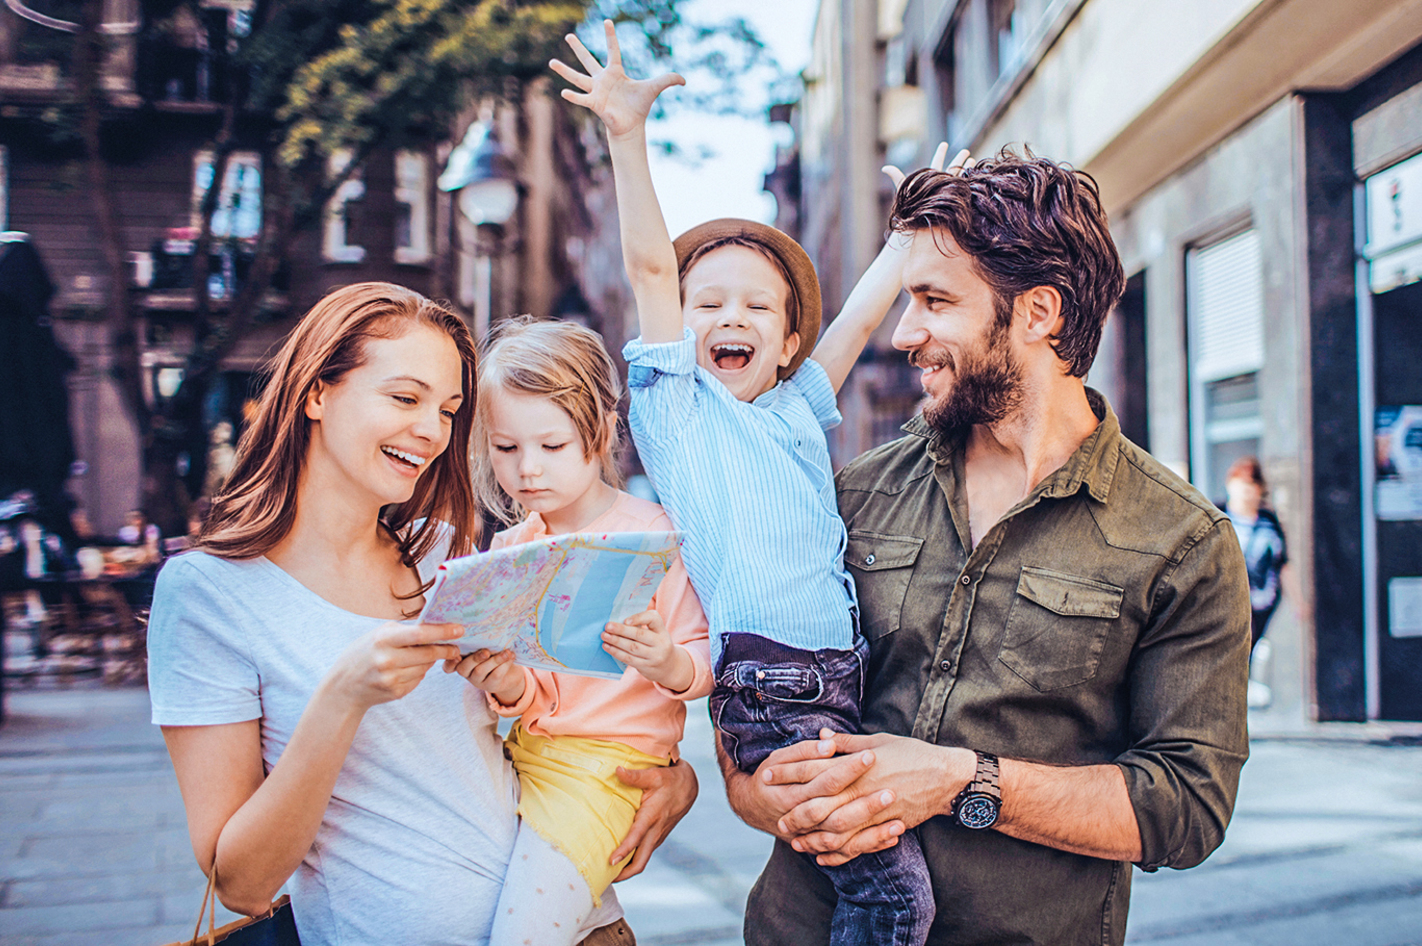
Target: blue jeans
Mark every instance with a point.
(769, 696)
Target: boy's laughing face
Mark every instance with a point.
(736, 302)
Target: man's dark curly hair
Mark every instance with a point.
(1026, 222)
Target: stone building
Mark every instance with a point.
(391, 219)
(1261, 161)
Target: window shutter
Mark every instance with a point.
(1227, 308)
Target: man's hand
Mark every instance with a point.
(621, 102)
(918, 779)
(668, 793)
(796, 775)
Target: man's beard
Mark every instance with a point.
(987, 384)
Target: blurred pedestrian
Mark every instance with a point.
(1262, 539)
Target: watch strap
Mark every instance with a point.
(988, 777)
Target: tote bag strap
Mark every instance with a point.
(208, 898)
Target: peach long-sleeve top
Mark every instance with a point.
(633, 710)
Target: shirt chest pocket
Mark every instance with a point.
(882, 566)
(1057, 627)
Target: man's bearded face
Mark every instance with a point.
(986, 381)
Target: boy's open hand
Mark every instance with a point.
(493, 672)
(644, 644)
(621, 102)
(961, 162)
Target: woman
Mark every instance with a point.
(308, 740)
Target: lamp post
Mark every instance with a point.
(484, 175)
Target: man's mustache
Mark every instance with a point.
(926, 357)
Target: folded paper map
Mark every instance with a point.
(548, 601)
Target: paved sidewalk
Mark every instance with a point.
(93, 841)
(1325, 847)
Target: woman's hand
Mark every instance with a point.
(668, 793)
(493, 672)
(389, 662)
(644, 643)
(621, 102)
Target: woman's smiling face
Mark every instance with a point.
(377, 430)
(735, 302)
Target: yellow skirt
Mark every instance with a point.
(570, 794)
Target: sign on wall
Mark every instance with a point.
(1398, 438)
(1394, 249)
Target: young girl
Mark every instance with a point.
(546, 434)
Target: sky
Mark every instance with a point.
(728, 182)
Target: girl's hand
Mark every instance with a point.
(621, 102)
(644, 643)
(390, 661)
(961, 162)
(493, 672)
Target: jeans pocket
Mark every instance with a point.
(779, 683)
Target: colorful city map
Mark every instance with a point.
(548, 600)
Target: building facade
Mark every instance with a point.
(390, 220)
(1259, 160)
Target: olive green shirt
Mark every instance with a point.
(1104, 619)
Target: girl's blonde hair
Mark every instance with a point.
(564, 362)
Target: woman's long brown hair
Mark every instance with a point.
(257, 506)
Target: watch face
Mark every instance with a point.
(978, 811)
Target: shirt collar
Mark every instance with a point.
(1092, 465)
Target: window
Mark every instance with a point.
(335, 245)
(1225, 302)
(945, 67)
(239, 203)
(1003, 35)
(412, 207)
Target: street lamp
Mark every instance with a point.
(484, 174)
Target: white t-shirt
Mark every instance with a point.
(416, 840)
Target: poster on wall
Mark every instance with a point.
(1398, 435)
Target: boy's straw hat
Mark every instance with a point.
(803, 281)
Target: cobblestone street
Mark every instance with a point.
(1326, 844)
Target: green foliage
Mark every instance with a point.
(349, 73)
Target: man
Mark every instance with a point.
(1059, 626)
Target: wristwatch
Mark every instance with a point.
(979, 803)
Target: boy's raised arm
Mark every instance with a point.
(842, 342)
(623, 104)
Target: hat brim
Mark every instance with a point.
(803, 281)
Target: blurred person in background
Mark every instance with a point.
(1265, 554)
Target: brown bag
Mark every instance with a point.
(276, 927)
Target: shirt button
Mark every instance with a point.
(869, 559)
(945, 665)
(967, 580)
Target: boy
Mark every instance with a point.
(729, 416)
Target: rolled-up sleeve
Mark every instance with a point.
(814, 386)
(662, 379)
(1188, 689)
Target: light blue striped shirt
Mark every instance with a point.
(752, 488)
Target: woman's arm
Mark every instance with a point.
(254, 831)
(623, 105)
